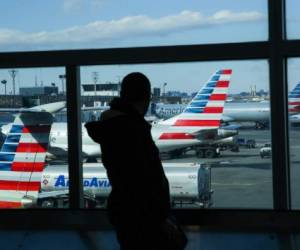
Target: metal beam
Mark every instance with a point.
(96, 219)
(159, 54)
(74, 137)
(279, 108)
(291, 48)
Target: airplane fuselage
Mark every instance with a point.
(238, 112)
(58, 143)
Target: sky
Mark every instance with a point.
(29, 25)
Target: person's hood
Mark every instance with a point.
(100, 130)
(116, 109)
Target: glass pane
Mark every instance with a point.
(292, 19)
(205, 147)
(75, 24)
(30, 144)
(294, 110)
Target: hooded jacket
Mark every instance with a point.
(140, 188)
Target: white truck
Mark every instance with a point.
(190, 184)
(266, 151)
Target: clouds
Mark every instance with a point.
(125, 28)
(70, 5)
(77, 5)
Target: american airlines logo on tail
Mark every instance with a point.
(294, 99)
(206, 108)
(22, 159)
(202, 116)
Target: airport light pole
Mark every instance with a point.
(164, 89)
(4, 83)
(13, 74)
(62, 78)
(95, 77)
(119, 84)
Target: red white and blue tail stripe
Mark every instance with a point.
(206, 109)
(294, 99)
(22, 159)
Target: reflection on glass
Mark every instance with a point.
(30, 99)
(107, 24)
(210, 122)
(294, 118)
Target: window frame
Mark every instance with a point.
(276, 50)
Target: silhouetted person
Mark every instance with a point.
(139, 202)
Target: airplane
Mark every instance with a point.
(198, 123)
(27, 181)
(23, 154)
(294, 102)
(258, 112)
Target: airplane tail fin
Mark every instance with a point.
(206, 108)
(294, 99)
(22, 159)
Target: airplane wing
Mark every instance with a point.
(49, 107)
(22, 159)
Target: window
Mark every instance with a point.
(239, 158)
(293, 80)
(32, 144)
(194, 51)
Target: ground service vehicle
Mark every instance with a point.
(265, 151)
(190, 184)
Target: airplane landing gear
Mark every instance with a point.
(261, 125)
(209, 153)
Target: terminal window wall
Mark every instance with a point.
(56, 25)
(239, 179)
(293, 22)
(294, 118)
(33, 146)
(239, 155)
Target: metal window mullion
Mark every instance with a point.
(74, 137)
(291, 48)
(155, 54)
(279, 107)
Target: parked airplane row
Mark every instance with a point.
(23, 170)
(258, 112)
(199, 123)
(26, 181)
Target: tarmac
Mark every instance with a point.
(243, 180)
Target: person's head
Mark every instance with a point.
(136, 89)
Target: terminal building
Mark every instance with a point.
(39, 91)
(103, 89)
